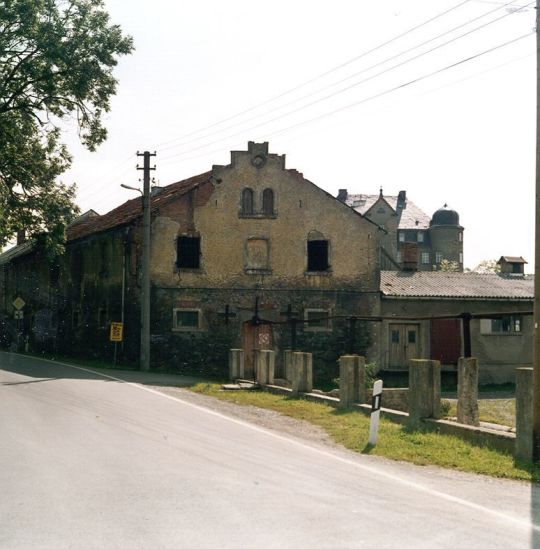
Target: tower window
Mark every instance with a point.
(318, 255)
(188, 252)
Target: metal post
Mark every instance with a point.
(536, 332)
(145, 282)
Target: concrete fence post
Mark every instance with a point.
(302, 373)
(236, 364)
(288, 365)
(264, 366)
(424, 390)
(352, 380)
(467, 405)
(524, 414)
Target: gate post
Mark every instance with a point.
(288, 365)
(264, 366)
(524, 414)
(467, 404)
(424, 390)
(352, 380)
(236, 364)
(302, 373)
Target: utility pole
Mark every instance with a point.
(536, 331)
(145, 282)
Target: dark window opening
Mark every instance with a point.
(318, 255)
(268, 201)
(186, 319)
(247, 202)
(188, 252)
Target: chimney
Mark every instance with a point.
(410, 256)
(21, 237)
(401, 199)
(342, 195)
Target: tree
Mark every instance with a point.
(487, 266)
(449, 266)
(56, 63)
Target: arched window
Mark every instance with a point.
(268, 202)
(247, 201)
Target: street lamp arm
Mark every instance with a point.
(130, 188)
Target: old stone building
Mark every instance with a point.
(501, 324)
(413, 240)
(236, 252)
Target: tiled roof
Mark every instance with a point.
(16, 251)
(437, 284)
(511, 259)
(132, 209)
(412, 217)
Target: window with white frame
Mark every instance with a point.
(399, 257)
(401, 236)
(425, 258)
(461, 257)
(460, 237)
(420, 236)
(506, 324)
(186, 320)
(317, 320)
(438, 257)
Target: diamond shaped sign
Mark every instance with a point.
(19, 303)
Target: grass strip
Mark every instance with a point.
(397, 442)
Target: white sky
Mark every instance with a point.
(465, 136)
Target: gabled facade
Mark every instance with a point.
(235, 252)
(413, 240)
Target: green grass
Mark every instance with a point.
(493, 410)
(397, 442)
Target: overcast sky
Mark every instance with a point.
(381, 97)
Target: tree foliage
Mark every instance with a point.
(449, 266)
(487, 266)
(56, 63)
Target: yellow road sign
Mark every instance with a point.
(117, 331)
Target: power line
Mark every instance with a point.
(322, 75)
(349, 78)
(386, 92)
(342, 90)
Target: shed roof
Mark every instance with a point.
(438, 284)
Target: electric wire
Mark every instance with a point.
(347, 78)
(340, 91)
(380, 94)
(318, 77)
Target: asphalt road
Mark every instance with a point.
(90, 461)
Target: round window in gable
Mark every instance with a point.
(258, 161)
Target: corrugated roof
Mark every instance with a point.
(411, 217)
(132, 209)
(437, 284)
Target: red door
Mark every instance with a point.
(446, 340)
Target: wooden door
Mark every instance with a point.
(255, 337)
(403, 344)
(446, 340)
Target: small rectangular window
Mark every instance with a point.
(317, 320)
(420, 236)
(425, 258)
(186, 319)
(395, 336)
(438, 257)
(188, 252)
(507, 324)
(399, 257)
(401, 236)
(461, 257)
(317, 255)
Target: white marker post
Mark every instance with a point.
(375, 412)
